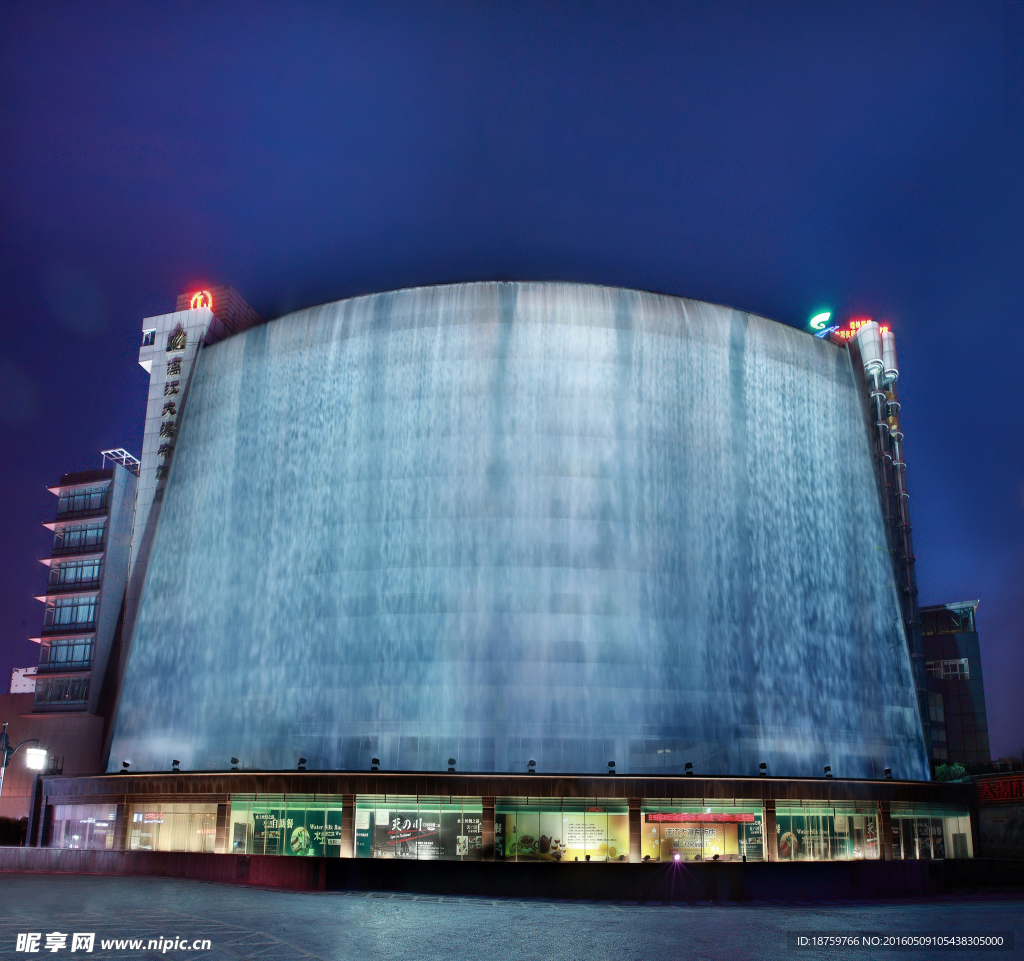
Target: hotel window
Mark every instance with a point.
(701, 830)
(148, 338)
(72, 574)
(949, 670)
(822, 831)
(86, 501)
(419, 828)
(561, 829)
(935, 712)
(70, 613)
(71, 690)
(306, 825)
(81, 537)
(71, 655)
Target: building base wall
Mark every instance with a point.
(835, 881)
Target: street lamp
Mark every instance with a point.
(35, 757)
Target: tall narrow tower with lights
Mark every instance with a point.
(171, 344)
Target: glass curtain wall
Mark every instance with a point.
(813, 831)
(419, 828)
(305, 825)
(924, 832)
(87, 827)
(154, 826)
(561, 829)
(698, 830)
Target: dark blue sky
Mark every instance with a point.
(772, 157)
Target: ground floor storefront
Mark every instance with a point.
(401, 816)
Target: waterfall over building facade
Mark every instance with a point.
(514, 522)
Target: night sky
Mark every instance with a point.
(773, 157)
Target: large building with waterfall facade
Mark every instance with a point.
(535, 533)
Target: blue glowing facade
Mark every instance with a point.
(504, 522)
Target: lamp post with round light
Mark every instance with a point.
(35, 758)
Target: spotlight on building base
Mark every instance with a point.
(451, 765)
(531, 767)
(302, 764)
(611, 767)
(888, 773)
(375, 764)
(762, 770)
(234, 764)
(125, 765)
(828, 770)
(688, 769)
(175, 765)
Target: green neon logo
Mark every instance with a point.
(818, 321)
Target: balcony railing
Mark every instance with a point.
(73, 515)
(79, 628)
(73, 549)
(64, 667)
(82, 587)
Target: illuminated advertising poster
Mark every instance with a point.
(419, 833)
(562, 835)
(686, 836)
(297, 832)
(825, 836)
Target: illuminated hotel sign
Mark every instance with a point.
(201, 298)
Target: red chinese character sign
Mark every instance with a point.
(201, 298)
(849, 330)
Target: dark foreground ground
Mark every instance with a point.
(251, 923)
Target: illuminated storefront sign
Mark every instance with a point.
(655, 817)
(820, 321)
(201, 298)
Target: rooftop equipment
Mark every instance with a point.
(891, 371)
(869, 342)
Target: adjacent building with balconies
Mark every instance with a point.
(88, 570)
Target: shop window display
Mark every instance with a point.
(811, 831)
(87, 827)
(926, 832)
(304, 825)
(696, 830)
(561, 829)
(419, 828)
(172, 827)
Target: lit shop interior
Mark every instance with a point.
(525, 829)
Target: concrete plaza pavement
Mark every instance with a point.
(253, 923)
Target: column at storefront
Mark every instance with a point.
(771, 842)
(885, 830)
(122, 829)
(348, 825)
(487, 829)
(220, 845)
(635, 830)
